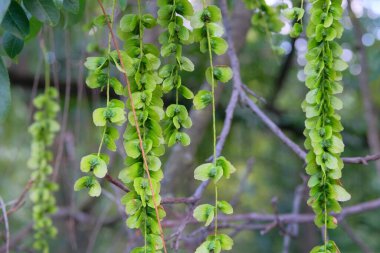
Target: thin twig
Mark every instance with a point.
(289, 218)
(20, 200)
(7, 234)
(292, 229)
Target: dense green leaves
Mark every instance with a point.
(16, 21)
(323, 124)
(44, 10)
(43, 131)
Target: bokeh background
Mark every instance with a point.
(273, 170)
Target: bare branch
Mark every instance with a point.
(289, 218)
(7, 234)
(292, 229)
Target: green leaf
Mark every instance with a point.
(186, 92)
(184, 8)
(154, 163)
(35, 27)
(5, 91)
(202, 172)
(313, 181)
(331, 34)
(341, 193)
(71, 6)
(16, 21)
(115, 115)
(116, 86)
(296, 30)
(187, 64)
(337, 145)
(132, 148)
(289, 13)
(181, 137)
(213, 14)
(226, 242)
(148, 21)
(133, 206)
(128, 175)
(88, 182)
(202, 99)
(3, 9)
(196, 20)
(221, 73)
(97, 79)
(95, 164)
(43, 10)
(177, 110)
(128, 23)
(227, 167)
(98, 117)
(218, 45)
(208, 171)
(340, 65)
(95, 63)
(204, 247)
(204, 213)
(12, 44)
(225, 207)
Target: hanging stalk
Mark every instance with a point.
(208, 32)
(43, 132)
(323, 126)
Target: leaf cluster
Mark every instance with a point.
(323, 126)
(43, 131)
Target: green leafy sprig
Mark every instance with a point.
(208, 32)
(108, 117)
(295, 14)
(323, 126)
(142, 174)
(171, 16)
(43, 131)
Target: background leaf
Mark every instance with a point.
(5, 92)
(43, 10)
(3, 8)
(12, 45)
(16, 21)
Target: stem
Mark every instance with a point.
(216, 211)
(213, 123)
(46, 66)
(108, 76)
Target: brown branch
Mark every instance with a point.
(361, 160)
(20, 200)
(288, 218)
